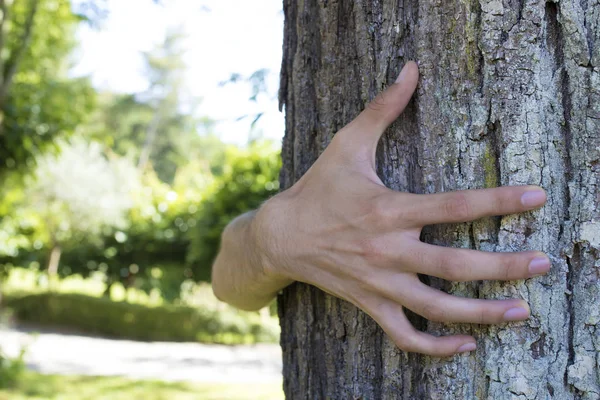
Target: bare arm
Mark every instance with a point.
(240, 275)
(340, 229)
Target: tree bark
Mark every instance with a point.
(509, 95)
(54, 261)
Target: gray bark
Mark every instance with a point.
(509, 95)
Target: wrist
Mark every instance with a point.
(267, 233)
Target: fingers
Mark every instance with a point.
(392, 319)
(469, 205)
(367, 128)
(438, 306)
(386, 308)
(470, 265)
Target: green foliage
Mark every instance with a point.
(71, 198)
(11, 370)
(102, 316)
(41, 103)
(154, 128)
(150, 251)
(16, 233)
(147, 206)
(80, 191)
(250, 176)
(176, 229)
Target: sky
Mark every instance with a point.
(223, 37)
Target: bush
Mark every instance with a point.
(11, 370)
(101, 316)
(249, 178)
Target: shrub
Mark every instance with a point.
(249, 178)
(101, 316)
(11, 370)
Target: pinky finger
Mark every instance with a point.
(390, 316)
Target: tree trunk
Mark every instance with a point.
(53, 261)
(509, 95)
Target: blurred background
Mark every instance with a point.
(131, 133)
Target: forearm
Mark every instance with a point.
(239, 274)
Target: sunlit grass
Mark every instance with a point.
(54, 387)
(33, 281)
(193, 294)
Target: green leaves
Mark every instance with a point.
(250, 176)
(81, 191)
(40, 103)
(124, 184)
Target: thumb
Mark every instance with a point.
(385, 108)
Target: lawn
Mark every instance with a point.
(55, 387)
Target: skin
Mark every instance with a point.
(340, 229)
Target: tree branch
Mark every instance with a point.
(4, 17)
(12, 65)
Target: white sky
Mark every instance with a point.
(224, 37)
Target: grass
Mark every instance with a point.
(77, 304)
(30, 280)
(55, 387)
(22, 281)
(102, 316)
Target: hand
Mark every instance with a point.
(340, 229)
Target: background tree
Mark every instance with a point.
(508, 96)
(158, 128)
(57, 220)
(78, 194)
(38, 100)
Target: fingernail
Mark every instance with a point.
(539, 265)
(466, 347)
(533, 198)
(516, 314)
(402, 75)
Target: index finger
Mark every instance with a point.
(469, 205)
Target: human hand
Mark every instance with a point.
(340, 229)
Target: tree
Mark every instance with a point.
(38, 101)
(78, 194)
(152, 244)
(509, 94)
(158, 127)
(162, 134)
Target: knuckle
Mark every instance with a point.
(511, 268)
(377, 308)
(481, 316)
(367, 248)
(378, 104)
(451, 269)
(433, 312)
(407, 344)
(361, 297)
(421, 258)
(381, 211)
(497, 205)
(373, 251)
(369, 280)
(458, 207)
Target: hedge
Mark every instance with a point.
(101, 316)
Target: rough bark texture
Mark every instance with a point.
(509, 95)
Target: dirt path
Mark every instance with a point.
(53, 353)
